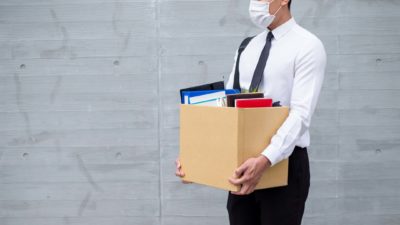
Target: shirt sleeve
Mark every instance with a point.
(229, 84)
(309, 70)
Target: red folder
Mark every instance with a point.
(253, 103)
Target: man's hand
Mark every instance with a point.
(249, 174)
(179, 172)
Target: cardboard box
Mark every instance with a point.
(214, 141)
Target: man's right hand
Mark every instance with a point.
(179, 172)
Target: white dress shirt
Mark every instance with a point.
(293, 75)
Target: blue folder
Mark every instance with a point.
(191, 94)
(219, 85)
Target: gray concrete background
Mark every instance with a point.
(89, 113)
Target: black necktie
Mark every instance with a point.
(258, 73)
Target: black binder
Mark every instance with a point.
(211, 86)
(231, 98)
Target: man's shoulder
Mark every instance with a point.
(306, 37)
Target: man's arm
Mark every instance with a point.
(309, 74)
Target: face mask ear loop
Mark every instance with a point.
(277, 11)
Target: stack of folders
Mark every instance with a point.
(204, 87)
(211, 94)
(215, 94)
(207, 97)
(248, 100)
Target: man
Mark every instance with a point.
(286, 63)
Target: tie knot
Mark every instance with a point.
(269, 36)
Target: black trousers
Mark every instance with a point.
(275, 206)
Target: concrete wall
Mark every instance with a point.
(89, 113)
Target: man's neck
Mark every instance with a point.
(281, 20)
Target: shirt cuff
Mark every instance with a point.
(273, 154)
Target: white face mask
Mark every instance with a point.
(260, 15)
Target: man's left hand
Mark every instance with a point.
(249, 174)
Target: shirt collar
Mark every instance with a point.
(284, 28)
